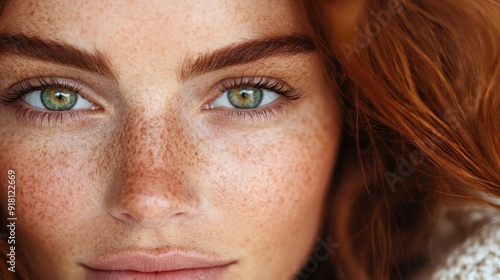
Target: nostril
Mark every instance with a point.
(125, 217)
(176, 215)
(151, 211)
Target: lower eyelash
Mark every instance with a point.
(24, 113)
(254, 115)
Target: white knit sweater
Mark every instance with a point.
(466, 245)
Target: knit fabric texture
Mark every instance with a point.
(465, 246)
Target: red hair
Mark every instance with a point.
(418, 85)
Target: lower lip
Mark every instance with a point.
(209, 273)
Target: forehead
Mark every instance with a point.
(144, 26)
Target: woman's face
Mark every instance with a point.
(166, 135)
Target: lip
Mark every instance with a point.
(174, 265)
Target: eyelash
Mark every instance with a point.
(24, 87)
(42, 82)
(277, 86)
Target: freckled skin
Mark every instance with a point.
(153, 171)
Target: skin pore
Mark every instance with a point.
(153, 166)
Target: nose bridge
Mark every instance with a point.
(151, 187)
(149, 142)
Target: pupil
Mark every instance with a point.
(244, 93)
(59, 95)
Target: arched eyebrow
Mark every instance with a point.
(246, 52)
(61, 53)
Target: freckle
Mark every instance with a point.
(143, 130)
(281, 200)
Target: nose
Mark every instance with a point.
(151, 203)
(150, 187)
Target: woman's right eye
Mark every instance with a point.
(57, 99)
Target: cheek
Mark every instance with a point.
(275, 178)
(272, 188)
(53, 191)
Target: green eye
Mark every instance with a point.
(245, 97)
(58, 99)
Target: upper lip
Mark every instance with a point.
(146, 262)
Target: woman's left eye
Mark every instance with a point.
(56, 99)
(245, 98)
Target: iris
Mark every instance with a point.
(58, 99)
(245, 97)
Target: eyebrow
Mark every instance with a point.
(236, 54)
(61, 53)
(246, 52)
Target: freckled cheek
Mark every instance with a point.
(273, 180)
(54, 190)
(271, 190)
